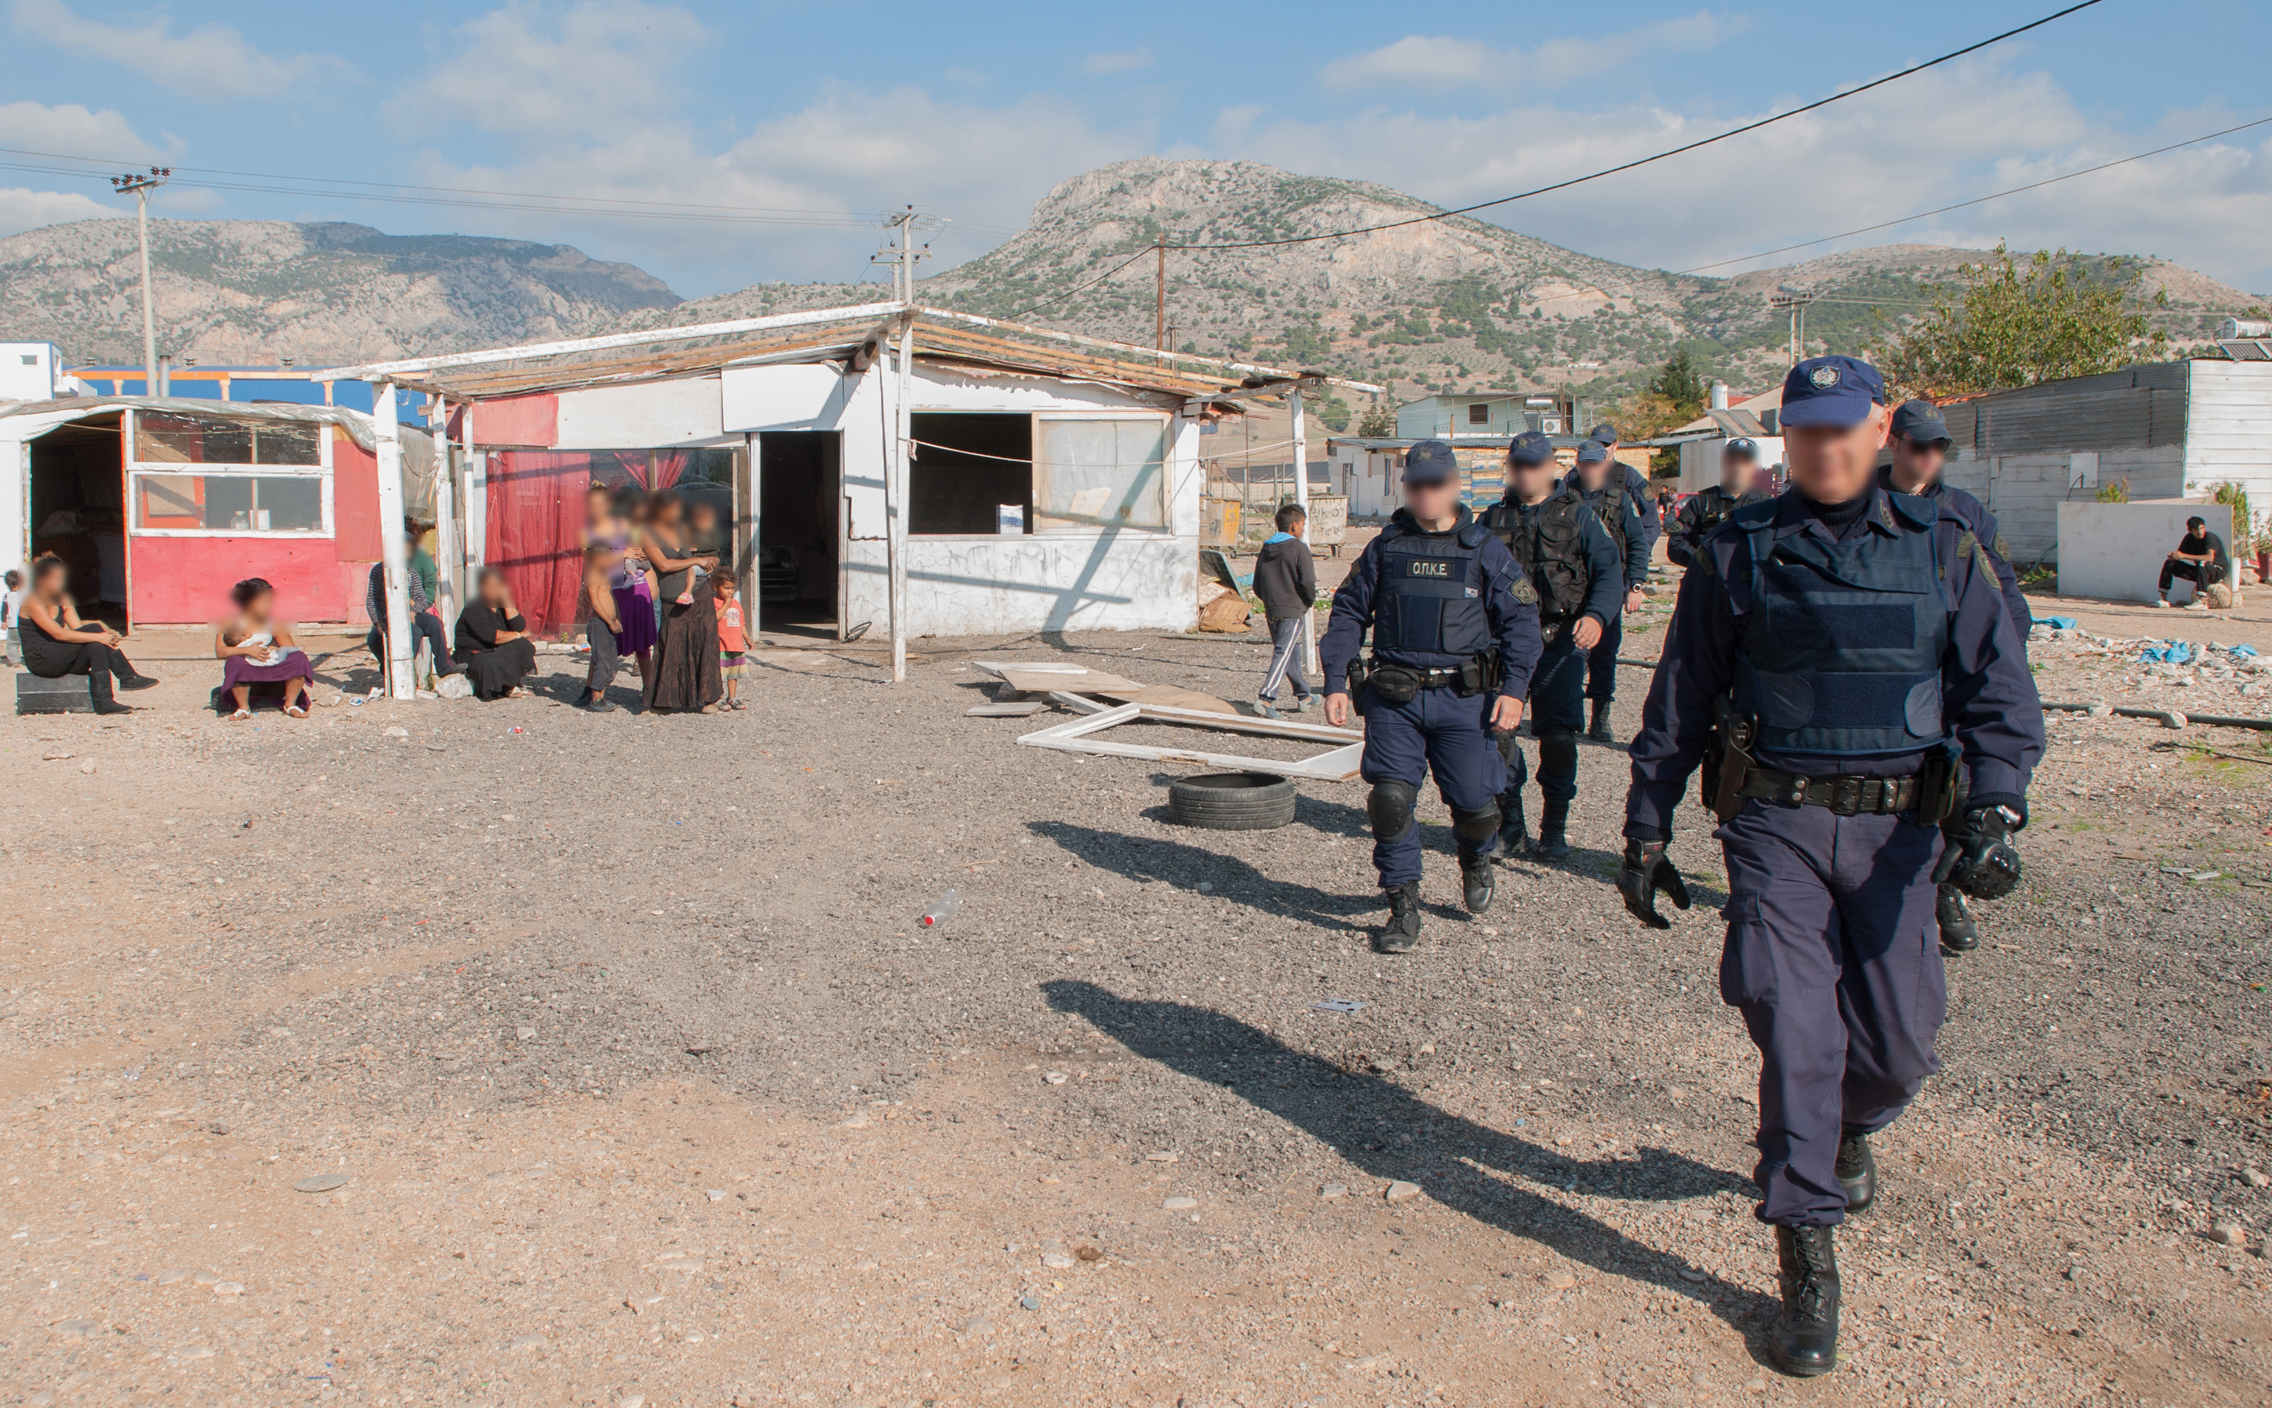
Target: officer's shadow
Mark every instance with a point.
(1483, 1174)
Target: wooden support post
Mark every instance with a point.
(895, 499)
(392, 550)
(476, 544)
(449, 533)
(1160, 298)
(1311, 666)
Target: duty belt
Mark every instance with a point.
(1847, 796)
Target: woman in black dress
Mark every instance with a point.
(58, 643)
(493, 642)
(685, 677)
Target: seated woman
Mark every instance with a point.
(493, 642)
(58, 643)
(261, 656)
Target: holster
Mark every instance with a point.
(1937, 785)
(1478, 674)
(1359, 674)
(1733, 735)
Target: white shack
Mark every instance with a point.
(889, 465)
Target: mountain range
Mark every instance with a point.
(1437, 304)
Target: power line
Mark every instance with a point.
(1978, 200)
(1660, 156)
(1061, 297)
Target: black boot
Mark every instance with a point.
(1402, 932)
(1804, 1341)
(1514, 832)
(1481, 879)
(98, 690)
(1959, 934)
(1598, 731)
(1552, 844)
(1857, 1171)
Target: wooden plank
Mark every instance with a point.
(1173, 696)
(1077, 736)
(1076, 681)
(1024, 708)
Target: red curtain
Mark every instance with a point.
(669, 465)
(536, 530)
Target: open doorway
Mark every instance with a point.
(798, 503)
(78, 512)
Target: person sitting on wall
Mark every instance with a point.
(424, 624)
(493, 640)
(2201, 558)
(58, 643)
(262, 658)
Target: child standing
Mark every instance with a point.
(9, 606)
(1285, 577)
(733, 641)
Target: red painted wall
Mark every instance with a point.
(355, 500)
(183, 581)
(511, 420)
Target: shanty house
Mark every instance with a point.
(160, 504)
(978, 476)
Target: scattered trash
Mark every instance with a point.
(852, 635)
(2058, 623)
(1161, 1156)
(1340, 1004)
(2174, 652)
(1179, 1204)
(397, 731)
(321, 1183)
(454, 687)
(515, 729)
(2195, 875)
(942, 909)
(1029, 1302)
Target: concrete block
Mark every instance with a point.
(2115, 551)
(38, 695)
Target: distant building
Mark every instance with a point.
(31, 371)
(1701, 441)
(1487, 415)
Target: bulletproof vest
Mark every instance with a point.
(1609, 503)
(1551, 549)
(1713, 505)
(1841, 652)
(1430, 597)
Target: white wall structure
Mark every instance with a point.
(1070, 579)
(646, 416)
(2228, 430)
(30, 371)
(2115, 551)
(1700, 459)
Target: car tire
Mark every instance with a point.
(1231, 801)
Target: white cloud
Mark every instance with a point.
(1117, 61)
(67, 129)
(22, 209)
(1931, 140)
(588, 107)
(211, 61)
(1434, 61)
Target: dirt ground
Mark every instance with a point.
(616, 1069)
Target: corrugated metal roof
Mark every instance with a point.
(2135, 408)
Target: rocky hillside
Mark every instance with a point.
(1456, 303)
(252, 292)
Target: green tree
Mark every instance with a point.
(1681, 386)
(1378, 422)
(2002, 325)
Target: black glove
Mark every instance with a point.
(1642, 874)
(1980, 859)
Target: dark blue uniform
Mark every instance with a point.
(1975, 516)
(1573, 581)
(1635, 528)
(1433, 601)
(1856, 649)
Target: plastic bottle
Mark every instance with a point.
(942, 909)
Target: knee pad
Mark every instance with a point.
(1390, 808)
(1558, 753)
(1476, 827)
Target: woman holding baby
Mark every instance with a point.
(259, 654)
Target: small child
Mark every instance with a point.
(9, 606)
(1285, 577)
(733, 641)
(263, 643)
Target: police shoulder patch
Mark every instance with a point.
(1524, 592)
(2001, 548)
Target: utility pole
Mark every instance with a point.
(901, 253)
(141, 186)
(1160, 294)
(1795, 300)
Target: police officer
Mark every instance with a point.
(1847, 658)
(1580, 580)
(1707, 508)
(1920, 448)
(1609, 490)
(1455, 637)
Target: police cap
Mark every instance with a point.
(1430, 462)
(1592, 452)
(1605, 433)
(1531, 448)
(1921, 421)
(1742, 447)
(1836, 391)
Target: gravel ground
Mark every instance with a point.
(648, 1088)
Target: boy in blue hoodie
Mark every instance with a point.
(1285, 577)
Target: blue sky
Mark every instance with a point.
(812, 109)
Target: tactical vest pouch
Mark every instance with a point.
(1736, 734)
(1395, 684)
(1477, 675)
